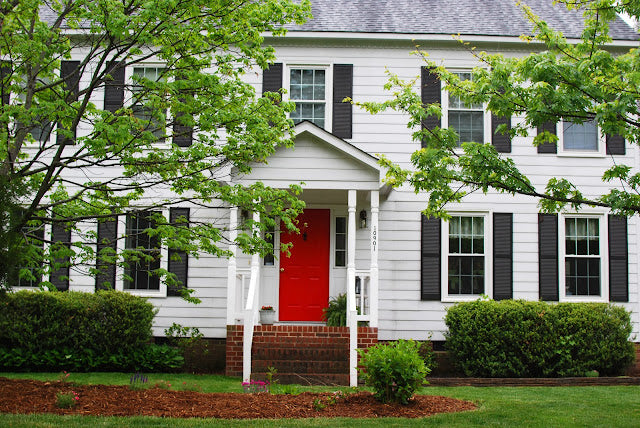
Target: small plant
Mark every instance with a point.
(255, 386)
(318, 404)
(272, 381)
(138, 381)
(63, 376)
(394, 370)
(336, 313)
(184, 338)
(67, 400)
(266, 308)
(284, 389)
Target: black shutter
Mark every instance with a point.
(178, 260)
(182, 134)
(502, 142)
(615, 145)
(5, 73)
(114, 88)
(272, 78)
(548, 256)
(71, 77)
(430, 92)
(547, 147)
(342, 112)
(618, 259)
(502, 256)
(430, 276)
(107, 238)
(60, 277)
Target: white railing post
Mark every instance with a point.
(373, 282)
(232, 283)
(251, 309)
(351, 292)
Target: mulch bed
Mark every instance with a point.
(31, 396)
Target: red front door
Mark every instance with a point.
(304, 277)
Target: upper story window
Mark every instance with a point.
(467, 255)
(582, 138)
(308, 88)
(469, 120)
(147, 117)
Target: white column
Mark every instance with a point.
(351, 294)
(255, 270)
(373, 302)
(251, 309)
(232, 292)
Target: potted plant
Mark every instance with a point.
(267, 315)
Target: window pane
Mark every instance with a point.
(341, 225)
(341, 258)
(296, 77)
(307, 77)
(582, 136)
(468, 124)
(307, 92)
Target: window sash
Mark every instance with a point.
(340, 254)
(580, 136)
(141, 271)
(466, 250)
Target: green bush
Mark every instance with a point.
(394, 370)
(536, 339)
(336, 313)
(108, 330)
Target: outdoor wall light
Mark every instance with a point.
(363, 219)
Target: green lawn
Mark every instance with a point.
(612, 406)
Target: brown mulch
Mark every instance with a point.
(31, 396)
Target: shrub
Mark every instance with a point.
(336, 313)
(108, 330)
(394, 370)
(536, 339)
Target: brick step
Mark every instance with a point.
(307, 379)
(315, 342)
(288, 353)
(300, 366)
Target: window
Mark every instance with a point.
(582, 256)
(143, 251)
(307, 87)
(580, 138)
(149, 119)
(341, 242)
(269, 237)
(467, 119)
(467, 253)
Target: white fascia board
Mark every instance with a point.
(410, 37)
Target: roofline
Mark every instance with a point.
(306, 127)
(415, 37)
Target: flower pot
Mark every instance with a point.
(267, 317)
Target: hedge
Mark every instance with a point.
(108, 330)
(536, 339)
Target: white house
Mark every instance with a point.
(362, 237)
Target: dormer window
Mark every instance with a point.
(307, 87)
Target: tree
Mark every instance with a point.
(165, 135)
(579, 82)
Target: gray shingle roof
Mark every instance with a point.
(468, 17)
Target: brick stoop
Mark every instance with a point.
(301, 354)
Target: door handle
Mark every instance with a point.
(281, 269)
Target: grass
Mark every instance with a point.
(584, 406)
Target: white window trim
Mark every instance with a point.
(486, 123)
(604, 258)
(120, 270)
(332, 230)
(488, 257)
(600, 153)
(328, 86)
(130, 93)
